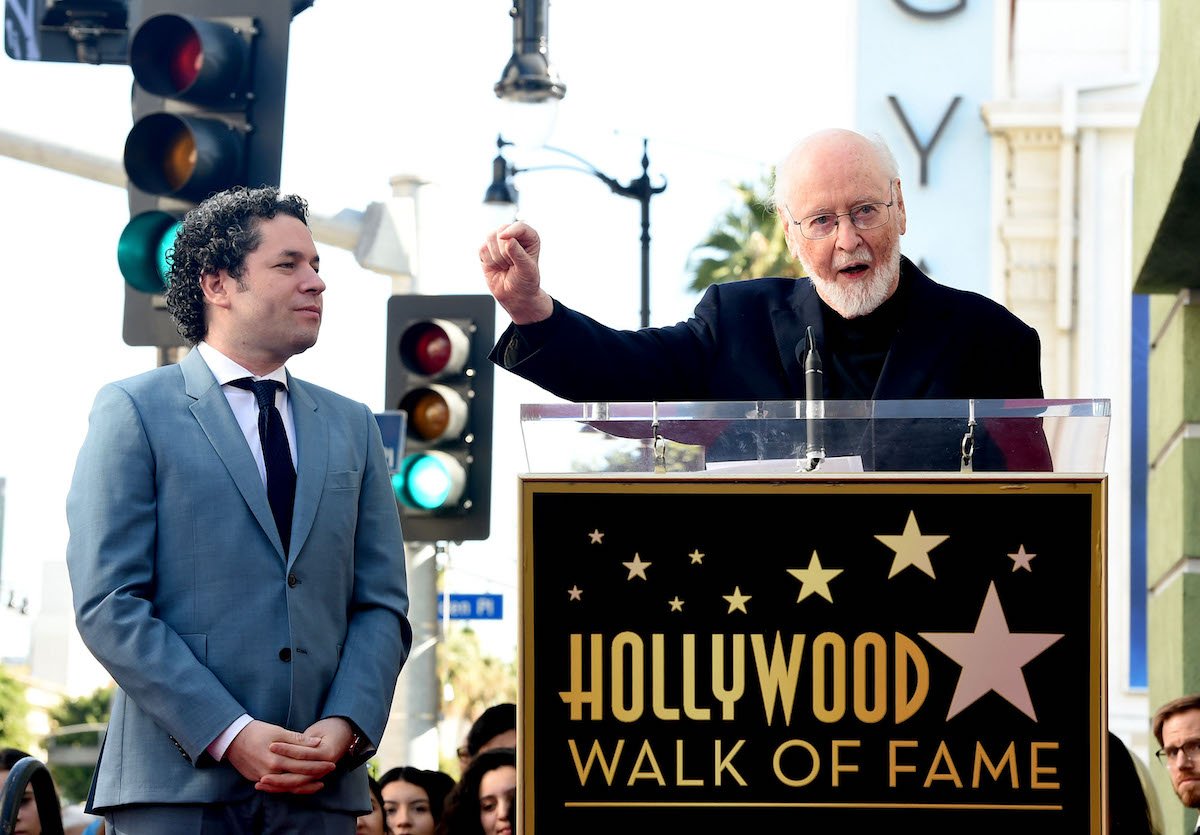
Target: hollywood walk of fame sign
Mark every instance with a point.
(858, 652)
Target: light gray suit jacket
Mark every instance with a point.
(183, 591)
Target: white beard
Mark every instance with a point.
(854, 297)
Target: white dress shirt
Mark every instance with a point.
(245, 411)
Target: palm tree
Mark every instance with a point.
(747, 242)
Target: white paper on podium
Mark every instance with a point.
(790, 466)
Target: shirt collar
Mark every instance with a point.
(226, 370)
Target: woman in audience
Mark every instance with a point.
(28, 820)
(373, 822)
(413, 799)
(485, 800)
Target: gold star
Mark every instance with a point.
(575, 592)
(737, 601)
(697, 557)
(636, 567)
(911, 547)
(597, 537)
(814, 579)
(676, 604)
(991, 658)
(1021, 559)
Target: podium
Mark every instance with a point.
(721, 630)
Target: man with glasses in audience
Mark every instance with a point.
(883, 328)
(1177, 729)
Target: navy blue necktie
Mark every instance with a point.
(277, 455)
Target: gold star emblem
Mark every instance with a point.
(575, 593)
(676, 604)
(697, 557)
(814, 579)
(737, 601)
(991, 657)
(597, 537)
(911, 547)
(636, 567)
(1021, 559)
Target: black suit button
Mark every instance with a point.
(292, 581)
(285, 654)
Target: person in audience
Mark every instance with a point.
(485, 800)
(372, 823)
(29, 821)
(413, 799)
(496, 727)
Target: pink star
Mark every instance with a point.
(1021, 559)
(991, 658)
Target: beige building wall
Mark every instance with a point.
(1073, 78)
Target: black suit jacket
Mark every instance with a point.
(740, 344)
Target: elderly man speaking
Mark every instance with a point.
(884, 328)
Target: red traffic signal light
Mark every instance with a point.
(439, 374)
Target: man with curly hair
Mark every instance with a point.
(235, 554)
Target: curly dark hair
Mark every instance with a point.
(461, 816)
(217, 235)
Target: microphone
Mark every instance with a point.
(814, 401)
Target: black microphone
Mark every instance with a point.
(814, 397)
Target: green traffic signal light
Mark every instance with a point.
(144, 249)
(429, 480)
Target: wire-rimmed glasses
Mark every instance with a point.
(863, 216)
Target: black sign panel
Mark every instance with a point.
(923, 655)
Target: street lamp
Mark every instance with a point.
(528, 76)
(502, 192)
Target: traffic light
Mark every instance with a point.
(74, 31)
(439, 374)
(210, 78)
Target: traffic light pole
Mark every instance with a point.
(411, 737)
(378, 235)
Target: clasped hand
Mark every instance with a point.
(278, 760)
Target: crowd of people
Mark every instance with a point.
(404, 800)
(415, 801)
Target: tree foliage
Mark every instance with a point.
(73, 781)
(477, 681)
(747, 242)
(14, 709)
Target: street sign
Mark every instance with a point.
(392, 428)
(473, 606)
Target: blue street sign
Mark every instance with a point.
(391, 427)
(473, 606)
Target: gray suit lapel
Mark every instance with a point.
(212, 412)
(312, 458)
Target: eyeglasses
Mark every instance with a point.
(863, 216)
(1169, 755)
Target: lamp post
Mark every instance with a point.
(502, 192)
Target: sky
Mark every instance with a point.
(378, 88)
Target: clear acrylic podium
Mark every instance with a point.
(903, 632)
(1066, 436)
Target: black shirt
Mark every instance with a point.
(855, 349)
